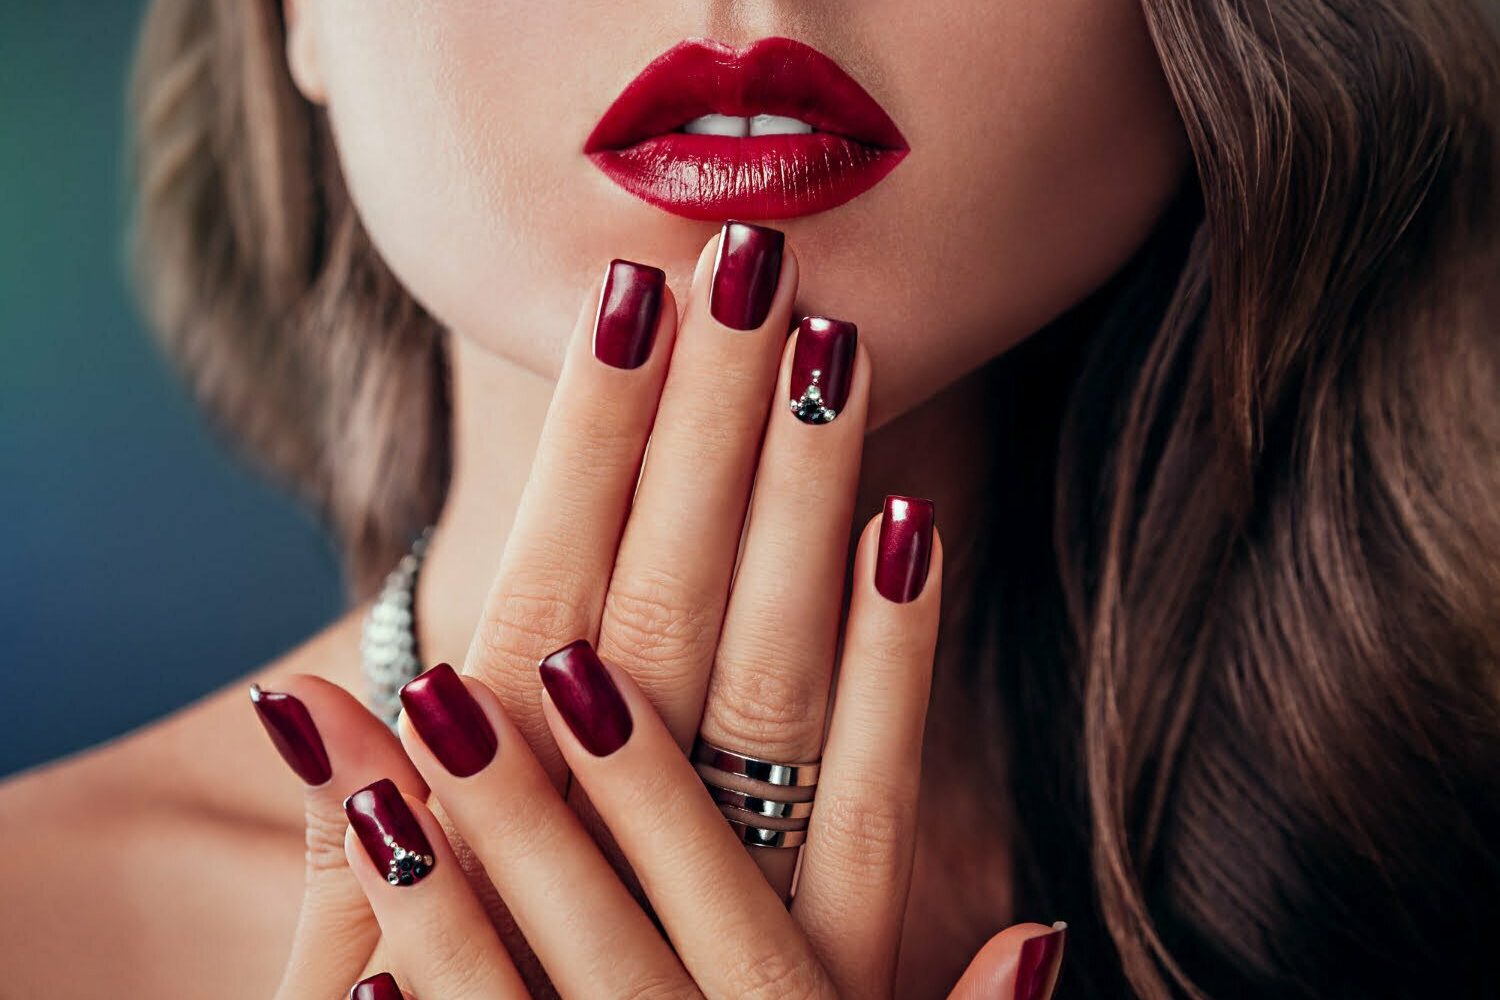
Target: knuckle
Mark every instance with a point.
(774, 976)
(650, 986)
(655, 617)
(518, 836)
(325, 840)
(451, 956)
(869, 828)
(524, 624)
(892, 646)
(770, 710)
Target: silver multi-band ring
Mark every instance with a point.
(759, 817)
(785, 775)
(770, 808)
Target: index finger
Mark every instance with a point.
(552, 578)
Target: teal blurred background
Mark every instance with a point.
(140, 566)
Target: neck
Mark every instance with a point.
(498, 411)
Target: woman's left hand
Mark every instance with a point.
(728, 932)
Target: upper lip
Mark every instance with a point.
(773, 76)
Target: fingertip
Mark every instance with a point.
(1010, 967)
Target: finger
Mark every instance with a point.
(671, 578)
(437, 932)
(587, 930)
(729, 928)
(768, 694)
(856, 866)
(334, 745)
(381, 986)
(1019, 963)
(557, 560)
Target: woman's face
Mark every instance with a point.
(1042, 146)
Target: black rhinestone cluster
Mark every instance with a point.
(809, 407)
(406, 867)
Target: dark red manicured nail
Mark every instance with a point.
(292, 732)
(391, 834)
(745, 274)
(449, 720)
(587, 698)
(1037, 968)
(905, 548)
(381, 986)
(625, 325)
(822, 364)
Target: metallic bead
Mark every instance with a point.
(388, 642)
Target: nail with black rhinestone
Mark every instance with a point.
(390, 833)
(822, 363)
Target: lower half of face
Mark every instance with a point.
(1041, 146)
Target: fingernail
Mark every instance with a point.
(449, 720)
(293, 733)
(626, 322)
(905, 548)
(391, 834)
(587, 698)
(381, 986)
(746, 270)
(822, 363)
(1037, 968)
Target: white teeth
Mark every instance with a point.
(718, 125)
(735, 125)
(778, 125)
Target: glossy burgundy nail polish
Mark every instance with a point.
(625, 325)
(381, 986)
(449, 720)
(822, 363)
(1039, 963)
(905, 548)
(746, 270)
(293, 733)
(586, 697)
(391, 834)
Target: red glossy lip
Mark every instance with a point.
(636, 143)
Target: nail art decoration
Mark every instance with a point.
(389, 832)
(809, 407)
(822, 368)
(405, 866)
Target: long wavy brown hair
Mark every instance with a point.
(1257, 656)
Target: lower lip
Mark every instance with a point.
(715, 177)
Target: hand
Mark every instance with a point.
(730, 933)
(655, 590)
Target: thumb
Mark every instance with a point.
(335, 746)
(1019, 963)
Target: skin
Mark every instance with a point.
(459, 127)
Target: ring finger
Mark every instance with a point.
(768, 693)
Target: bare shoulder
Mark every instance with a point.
(167, 862)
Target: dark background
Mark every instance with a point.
(140, 566)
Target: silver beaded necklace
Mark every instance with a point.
(388, 643)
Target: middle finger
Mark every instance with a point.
(666, 598)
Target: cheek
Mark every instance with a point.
(461, 154)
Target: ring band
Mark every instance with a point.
(769, 808)
(713, 763)
(757, 836)
(772, 773)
